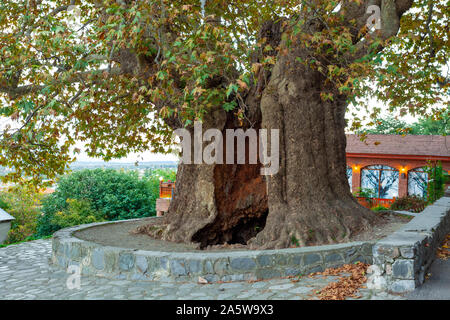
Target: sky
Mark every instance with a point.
(143, 157)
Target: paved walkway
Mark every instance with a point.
(437, 287)
(25, 273)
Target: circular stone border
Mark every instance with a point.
(123, 263)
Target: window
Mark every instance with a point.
(349, 176)
(417, 182)
(383, 180)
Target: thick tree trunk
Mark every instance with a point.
(215, 204)
(309, 199)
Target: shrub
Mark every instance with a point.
(22, 203)
(77, 212)
(379, 208)
(100, 195)
(409, 203)
(366, 193)
(436, 182)
(45, 226)
(3, 204)
(118, 194)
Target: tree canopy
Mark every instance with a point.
(120, 75)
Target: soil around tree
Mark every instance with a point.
(132, 235)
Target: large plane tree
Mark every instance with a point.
(122, 75)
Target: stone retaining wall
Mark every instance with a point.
(121, 263)
(401, 260)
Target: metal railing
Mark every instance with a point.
(375, 202)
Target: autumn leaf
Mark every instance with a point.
(443, 252)
(347, 286)
(242, 84)
(256, 67)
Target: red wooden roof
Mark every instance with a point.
(414, 145)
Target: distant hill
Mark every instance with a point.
(80, 165)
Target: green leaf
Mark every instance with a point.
(228, 106)
(232, 88)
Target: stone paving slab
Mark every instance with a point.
(26, 273)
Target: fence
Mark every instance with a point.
(375, 202)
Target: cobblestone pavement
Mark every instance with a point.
(25, 273)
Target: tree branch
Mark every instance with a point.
(391, 11)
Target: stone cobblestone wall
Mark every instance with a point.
(401, 260)
(120, 263)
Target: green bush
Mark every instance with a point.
(366, 193)
(23, 204)
(409, 203)
(437, 178)
(113, 195)
(45, 226)
(77, 212)
(3, 204)
(379, 208)
(95, 195)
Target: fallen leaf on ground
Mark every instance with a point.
(346, 286)
(444, 252)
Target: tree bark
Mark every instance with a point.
(215, 204)
(309, 199)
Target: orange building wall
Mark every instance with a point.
(402, 165)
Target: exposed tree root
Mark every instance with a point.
(308, 226)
